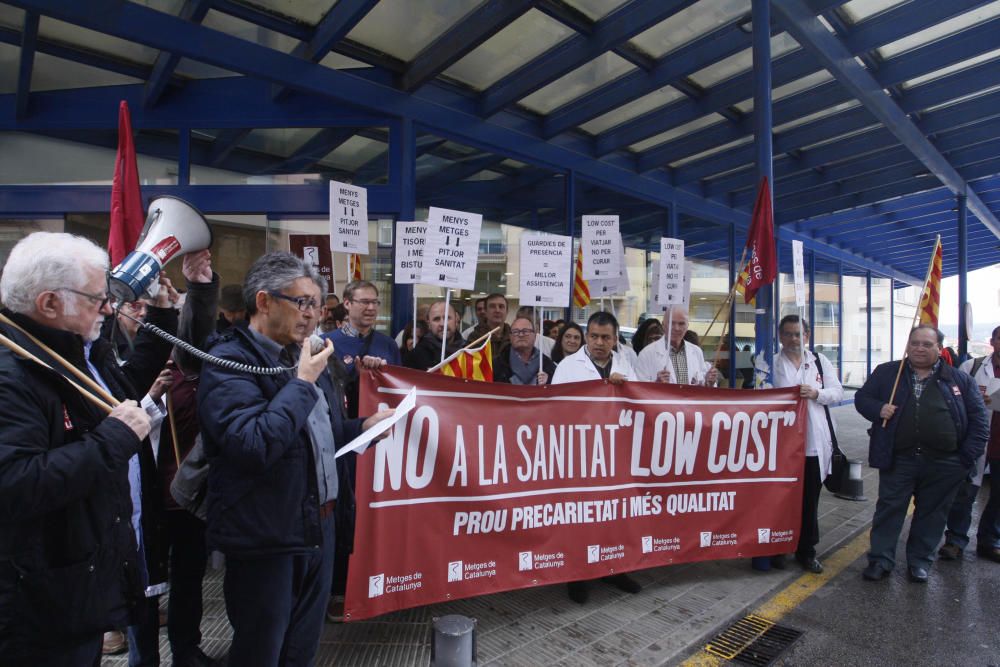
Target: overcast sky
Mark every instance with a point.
(984, 295)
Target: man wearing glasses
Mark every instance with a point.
(66, 539)
(273, 484)
(359, 346)
(518, 363)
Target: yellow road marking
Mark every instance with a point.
(795, 593)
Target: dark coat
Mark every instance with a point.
(67, 550)
(958, 389)
(501, 366)
(427, 352)
(262, 494)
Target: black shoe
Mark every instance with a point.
(199, 659)
(917, 574)
(875, 571)
(579, 591)
(624, 582)
(810, 564)
(950, 552)
(778, 562)
(989, 553)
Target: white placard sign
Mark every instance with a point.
(688, 272)
(348, 218)
(671, 284)
(410, 240)
(617, 285)
(598, 238)
(546, 263)
(452, 248)
(799, 274)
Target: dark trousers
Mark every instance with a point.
(86, 653)
(276, 604)
(188, 557)
(809, 531)
(932, 482)
(960, 515)
(144, 634)
(988, 536)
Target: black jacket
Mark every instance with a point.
(67, 550)
(427, 352)
(501, 366)
(958, 389)
(262, 494)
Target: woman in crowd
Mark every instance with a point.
(648, 332)
(570, 340)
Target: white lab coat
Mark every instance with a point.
(578, 367)
(654, 358)
(984, 376)
(819, 442)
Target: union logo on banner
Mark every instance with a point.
(514, 486)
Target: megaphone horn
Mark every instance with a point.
(173, 228)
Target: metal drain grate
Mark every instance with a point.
(766, 649)
(752, 640)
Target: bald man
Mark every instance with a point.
(673, 359)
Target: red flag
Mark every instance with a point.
(127, 216)
(354, 266)
(762, 269)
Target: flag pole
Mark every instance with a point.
(464, 349)
(447, 316)
(731, 295)
(413, 334)
(916, 316)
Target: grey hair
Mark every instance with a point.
(274, 272)
(355, 285)
(46, 262)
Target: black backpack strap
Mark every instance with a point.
(976, 365)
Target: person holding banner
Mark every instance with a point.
(427, 352)
(518, 362)
(273, 483)
(817, 381)
(676, 360)
(597, 360)
(928, 428)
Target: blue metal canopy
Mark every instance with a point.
(884, 111)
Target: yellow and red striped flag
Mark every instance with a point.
(930, 300)
(581, 290)
(354, 266)
(472, 364)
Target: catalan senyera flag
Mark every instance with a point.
(472, 364)
(581, 290)
(354, 266)
(930, 300)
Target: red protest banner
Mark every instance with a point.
(489, 487)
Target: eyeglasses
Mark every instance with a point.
(368, 303)
(101, 301)
(303, 303)
(521, 332)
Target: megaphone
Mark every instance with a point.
(173, 228)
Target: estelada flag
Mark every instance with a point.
(762, 268)
(354, 266)
(581, 289)
(930, 300)
(127, 217)
(472, 364)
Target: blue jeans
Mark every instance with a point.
(932, 482)
(989, 522)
